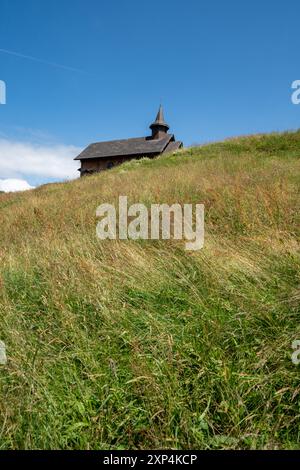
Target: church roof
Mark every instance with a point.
(136, 146)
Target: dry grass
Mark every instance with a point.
(123, 344)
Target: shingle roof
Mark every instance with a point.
(115, 148)
(173, 146)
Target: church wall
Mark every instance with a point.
(101, 164)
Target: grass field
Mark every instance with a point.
(141, 344)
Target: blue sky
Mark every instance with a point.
(219, 68)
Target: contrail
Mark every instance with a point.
(35, 59)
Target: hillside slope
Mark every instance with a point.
(141, 344)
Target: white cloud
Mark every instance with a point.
(12, 185)
(21, 159)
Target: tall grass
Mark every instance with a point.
(123, 344)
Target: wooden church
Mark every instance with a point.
(105, 155)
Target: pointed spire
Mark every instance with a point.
(160, 115)
(159, 126)
(160, 120)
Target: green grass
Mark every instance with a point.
(122, 344)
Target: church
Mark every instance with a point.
(105, 155)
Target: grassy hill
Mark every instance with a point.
(141, 344)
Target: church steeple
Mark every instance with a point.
(159, 127)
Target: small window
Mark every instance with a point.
(110, 165)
